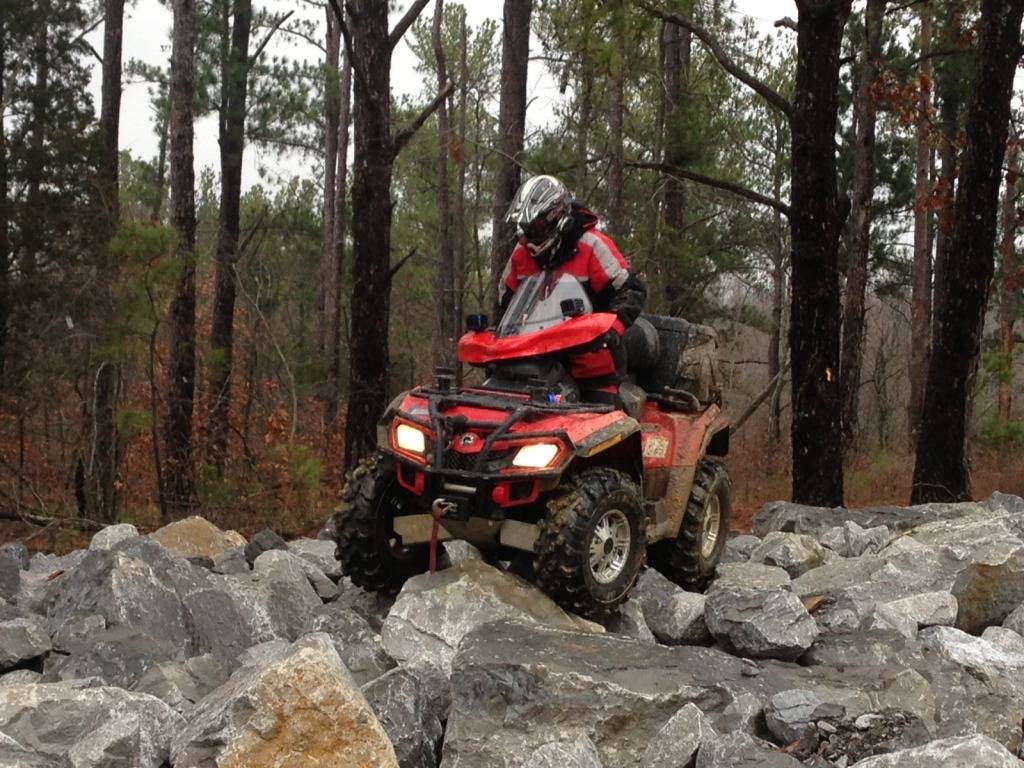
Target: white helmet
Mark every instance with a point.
(542, 212)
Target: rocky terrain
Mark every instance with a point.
(878, 638)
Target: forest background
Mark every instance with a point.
(674, 120)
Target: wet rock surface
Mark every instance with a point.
(881, 638)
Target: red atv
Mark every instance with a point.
(521, 468)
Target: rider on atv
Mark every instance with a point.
(560, 235)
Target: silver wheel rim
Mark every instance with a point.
(712, 521)
(609, 547)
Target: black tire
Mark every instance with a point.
(562, 561)
(684, 559)
(367, 547)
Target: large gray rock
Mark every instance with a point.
(434, 612)
(738, 548)
(576, 752)
(927, 609)
(1005, 639)
(850, 540)
(411, 712)
(982, 658)
(674, 616)
(816, 521)
(85, 727)
(320, 553)
(759, 623)
(794, 553)
(972, 752)
(1005, 502)
(22, 640)
(358, 645)
(792, 714)
(1015, 620)
(181, 685)
(517, 686)
(740, 749)
(677, 742)
(372, 606)
(264, 541)
(630, 622)
(107, 537)
(118, 656)
(300, 701)
(752, 575)
(284, 564)
(77, 633)
(13, 560)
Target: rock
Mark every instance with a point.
(981, 657)
(794, 553)
(987, 591)
(358, 645)
(117, 656)
(816, 521)
(20, 677)
(1005, 503)
(790, 715)
(674, 616)
(196, 536)
(457, 551)
(850, 540)
(264, 541)
(289, 566)
(575, 753)
(518, 686)
(411, 715)
(740, 749)
(1015, 620)
(1005, 639)
(301, 701)
(927, 609)
(754, 575)
(738, 548)
(77, 633)
(630, 622)
(320, 553)
(884, 617)
(964, 752)
(181, 685)
(232, 562)
(22, 640)
(677, 742)
(372, 606)
(10, 611)
(107, 537)
(47, 565)
(13, 560)
(759, 623)
(434, 612)
(86, 727)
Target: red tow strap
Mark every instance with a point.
(437, 509)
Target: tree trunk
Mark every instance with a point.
(863, 191)
(444, 282)
(921, 276)
(941, 472)
(179, 488)
(1011, 283)
(32, 234)
(234, 88)
(156, 213)
(328, 249)
(778, 290)
(460, 176)
(676, 73)
(5, 214)
(617, 109)
(104, 462)
(515, 53)
(815, 224)
(333, 308)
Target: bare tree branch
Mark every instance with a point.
(403, 136)
(708, 181)
(357, 66)
(277, 25)
(759, 400)
(786, 22)
(406, 21)
(766, 92)
(401, 263)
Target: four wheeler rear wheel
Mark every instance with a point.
(371, 553)
(690, 558)
(592, 542)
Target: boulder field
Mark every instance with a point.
(872, 638)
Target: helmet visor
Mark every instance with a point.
(538, 230)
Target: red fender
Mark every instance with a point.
(484, 347)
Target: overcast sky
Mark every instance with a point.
(147, 37)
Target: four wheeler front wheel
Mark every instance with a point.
(690, 559)
(592, 542)
(371, 553)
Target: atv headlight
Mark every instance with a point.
(535, 456)
(409, 438)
